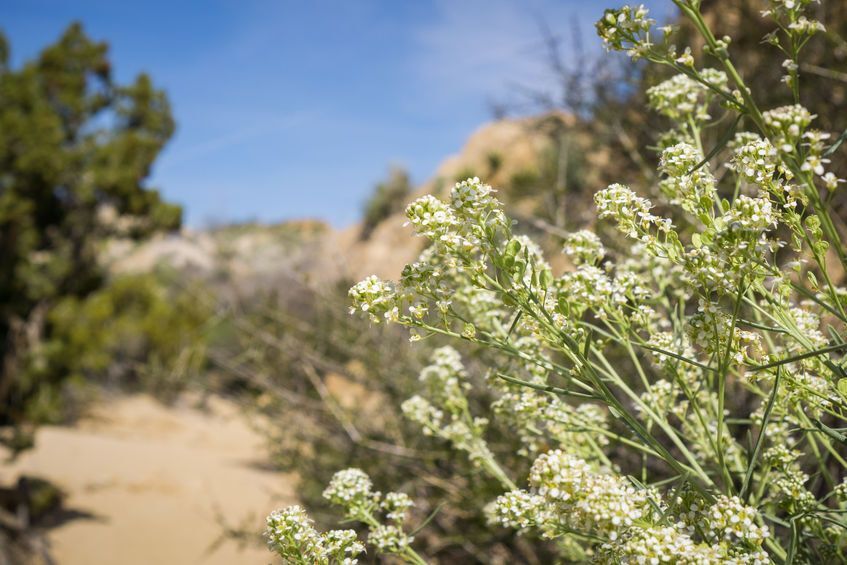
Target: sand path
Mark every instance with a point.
(153, 481)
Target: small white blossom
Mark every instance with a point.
(291, 534)
(584, 247)
(375, 297)
(682, 97)
(352, 489)
(395, 505)
(788, 123)
(805, 26)
(389, 539)
(729, 519)
(626, 29)
(632, 212)
(756, 161)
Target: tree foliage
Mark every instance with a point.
(76, 150)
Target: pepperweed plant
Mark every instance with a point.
(683, 397)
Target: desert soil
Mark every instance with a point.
(150, 483)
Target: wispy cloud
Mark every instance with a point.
(488, 48)
(273, 125)
(482, 47)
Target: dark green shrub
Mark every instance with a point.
(388, 198)
(135, 332)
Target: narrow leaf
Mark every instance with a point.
(720, 144)
(834, 147)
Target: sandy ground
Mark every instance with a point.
(149, 483)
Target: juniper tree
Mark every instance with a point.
(76, 151)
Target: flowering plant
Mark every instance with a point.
(683, 397)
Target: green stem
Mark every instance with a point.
(722, 376)
(748, 476)
(795, 358)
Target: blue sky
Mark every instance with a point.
(291, 109)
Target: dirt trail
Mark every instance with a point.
(150, 481)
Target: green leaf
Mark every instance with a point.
(545, 388)
(428, 519)
(719, 145)
(512, 249)
(514, 323)
(695, 241)
(813, 280)
(834, 147)
(834, 434)
(841, 385)
(546, 278)
(520, 268)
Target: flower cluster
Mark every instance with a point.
(729, 520)
(756, 161)
(814, 160)
(683, 98)
(787, 124)
(584, 246)
(475, 201)
(389, 539)
(352, 489)
(396, 505)
(431, 217)
(688, 182)
(790, 12)
(661, 544)
(791, 137)
(631, 211)
(754, 214)
(715, 331)
(445, 413)
(519, 510)
(568, 494)
(421, 411)
(627, 29)
(465, 223)
(446, 379)
(374, 297)
(291, 534)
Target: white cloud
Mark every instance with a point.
(485, 47)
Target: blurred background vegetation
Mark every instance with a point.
(259, 313)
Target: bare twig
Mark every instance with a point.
(822, 72)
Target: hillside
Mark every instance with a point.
(252, 257)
